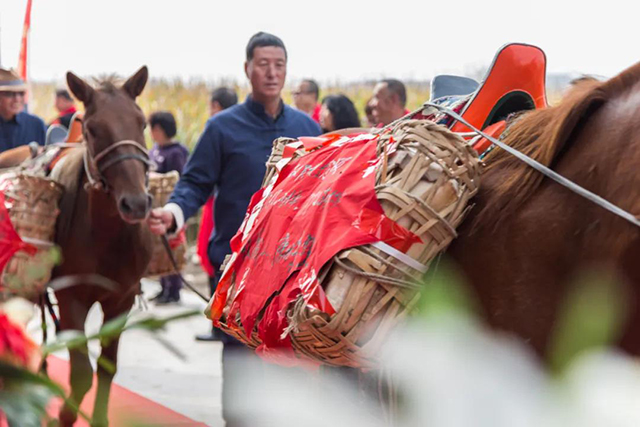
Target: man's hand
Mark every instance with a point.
(160, 221)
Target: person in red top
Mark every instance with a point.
(66, 108)
(305, 99)
(389, 101)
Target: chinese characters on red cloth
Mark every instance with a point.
(320, 204)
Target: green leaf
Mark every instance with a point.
(443, 291)
(25, 395)
(591, 318)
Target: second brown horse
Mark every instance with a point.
(100, 229)
(528, 238)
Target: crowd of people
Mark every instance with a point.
(332, 112)
(227, 164)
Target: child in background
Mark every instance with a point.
(169, 155)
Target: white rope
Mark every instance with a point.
(400, 256)
(545, 170)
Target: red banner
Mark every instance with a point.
(24, 44)
(10, 241)
(321, 204)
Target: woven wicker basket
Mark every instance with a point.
(425, 186)
(160, 187)
(32, 203)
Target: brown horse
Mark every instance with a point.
(528, 237)
(100, 230)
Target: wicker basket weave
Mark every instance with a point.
(160, 187)
(32, 203)
(425, 186)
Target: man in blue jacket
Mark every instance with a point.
(230, 157)
(16, 126)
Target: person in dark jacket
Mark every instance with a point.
(17, 127)
(221, 99)
(168, 155)
(230, 157)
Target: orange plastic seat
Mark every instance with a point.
(514, 82)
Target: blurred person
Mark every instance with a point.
(221, 99)
(338, 112)
(305, 98)
(389, 101)
(17, 127)
(230, 157)
(169, 155)
(66, 108)
(368, 111)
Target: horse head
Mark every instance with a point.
(114, 134)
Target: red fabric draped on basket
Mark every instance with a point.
(321, 204)
(10, 241)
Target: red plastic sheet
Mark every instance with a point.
(321, 204)
(10, 241)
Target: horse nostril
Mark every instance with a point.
(149, 201)
(125, 208)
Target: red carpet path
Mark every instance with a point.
(126, 408)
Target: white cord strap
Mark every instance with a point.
(545, 170)
(400, 256)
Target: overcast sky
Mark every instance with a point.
(330, 40)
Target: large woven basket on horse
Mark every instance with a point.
(329, 256)
(28, 218)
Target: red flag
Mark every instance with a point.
(22, 59)
(10, 241)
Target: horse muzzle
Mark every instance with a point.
(134, 208)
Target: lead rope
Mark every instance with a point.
(603, 203)
(174, 264)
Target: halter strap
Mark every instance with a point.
(100, 182)
(128, 142)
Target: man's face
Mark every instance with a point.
(303, 99)
(382, 103)
(267, 72)
(158, 135)
(11, 103)
(63, 104)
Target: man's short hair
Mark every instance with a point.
(63, 93)
(312, 87)
(262, 39)
(224, 96)
(397, 87)
(166, 121)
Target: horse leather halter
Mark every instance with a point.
(100, 183)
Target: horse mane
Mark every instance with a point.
(544, 135)
(108, 83)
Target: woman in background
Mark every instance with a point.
(338, 112)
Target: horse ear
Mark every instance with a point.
(80, 88)
(136, 83)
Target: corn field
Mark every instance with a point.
(189, 101)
